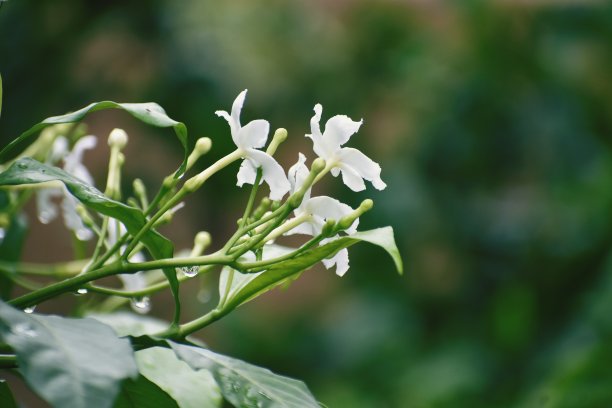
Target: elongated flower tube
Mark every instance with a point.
(315, 212)
(248, 139)
(354, 165)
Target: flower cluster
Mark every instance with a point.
(313, 212)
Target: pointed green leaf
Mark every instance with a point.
(76, 363)
(6, 396)
(29, 171)
(143, 393)
(189, 388)
(246, 385)
(278, 273)
(150, 113)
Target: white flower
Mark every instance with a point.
(47, 210)
(354, 165)
(248, 139)
(317, 210)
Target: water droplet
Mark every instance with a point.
(141, 304)
(22, 165)
(29, 310)
(23, 329)
(190, 271)
(81, 291)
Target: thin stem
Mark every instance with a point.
(155, 287)
(249, 206)
(191, 185)
(78, 281)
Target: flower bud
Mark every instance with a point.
(201, 147)
(201, 241)
(118, 138)
(347, 221)
(279, 137)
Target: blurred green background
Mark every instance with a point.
(492, 121)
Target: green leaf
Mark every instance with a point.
(29, 171)
(77, 363)
(130, 324)
(246, 385)
(6, 396)
(189, 388)
(0, 95)
(150, 113)
(279, 273)
(141, 393)
(10, 250)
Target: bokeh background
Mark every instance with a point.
(492, 121)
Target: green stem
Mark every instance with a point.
(8, 361)
(190, 186)
(155, 287)
(76, 282)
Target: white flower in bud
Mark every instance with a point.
(354, 165)
(248, 139)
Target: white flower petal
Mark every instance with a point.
(58, 150)
(254, 134)
(46, 208)
(351, 178)
(330, 209)
(237, 107)
(362, 165)
(341, 260)
(298, 173)
(72, 219)
(272, 173)
(234, 127)
(338, 131)
(315, 135)
(247, 173)
(307, 228)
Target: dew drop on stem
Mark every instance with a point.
(141, 305)
(190, 271)
(29, 310)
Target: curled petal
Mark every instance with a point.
(247, 173)
(362, 165)
(297, 175)
(338, 131)
(316, 136)
(330, 209)
(46, 208)
(72, 219)
(272, 173)
(253, 135)
(234, 127)
(237, 107)
(351, 178)
(341, 260)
